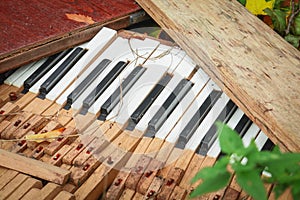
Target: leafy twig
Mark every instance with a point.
(283, 168)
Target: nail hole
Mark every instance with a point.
(79, 146)
(170, 181)
(17, 123)
(26, 125)
(39, 149)
(21, 143)
(118, 182)
(148, 174)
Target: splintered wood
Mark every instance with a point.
(33, 167)
(252, 64)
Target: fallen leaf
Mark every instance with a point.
(48, 136)
(80, 18)
(257, 7)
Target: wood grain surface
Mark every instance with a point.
(253, 65)
(33, 167)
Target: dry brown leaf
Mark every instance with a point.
(48, 136)
(80, 18)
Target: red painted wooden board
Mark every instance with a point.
(26, 26)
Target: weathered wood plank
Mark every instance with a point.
(33, 167)
(256, 68)
(49, 28)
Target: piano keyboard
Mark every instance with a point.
(140, 115)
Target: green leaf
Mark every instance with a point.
(296, 25)
(286, 159)
(288, 178)
(279, 189)
(243, 2)
(251, 182)
(293, 40)
(210, 172)
(213, 183)
(296, 190)
(278, 19)
(276, 150)
(263, 157)
(238, 167)
(222, 163)
(278, 4)
(251, 149)
(230, 141)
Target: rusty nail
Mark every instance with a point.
(86, 167)
(150, 193)
(56, 156)
(109, 160)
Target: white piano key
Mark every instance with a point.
(99, 42)
(143, 123)
(144, 47)
(19, 82)
(208, 121)
(199, 80)
(234, 120)
(182, 71)
(12, 78)
(250, 134)
(35, 88)
(173, 136)
(119, 50)
(260, 140)
(168, 56)
(137, 93)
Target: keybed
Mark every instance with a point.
(122, 89)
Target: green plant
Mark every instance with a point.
(284, 168)
(284, 15)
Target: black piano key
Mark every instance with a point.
(268, 146)
(61, 71)
(243, 125)
(86, 82)
(147, 102)
(102, 86)
(211, 134)
(241, 128)
(43, 69)
(5, 75)
(120, 92)
(168, 106)
(197, 118)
